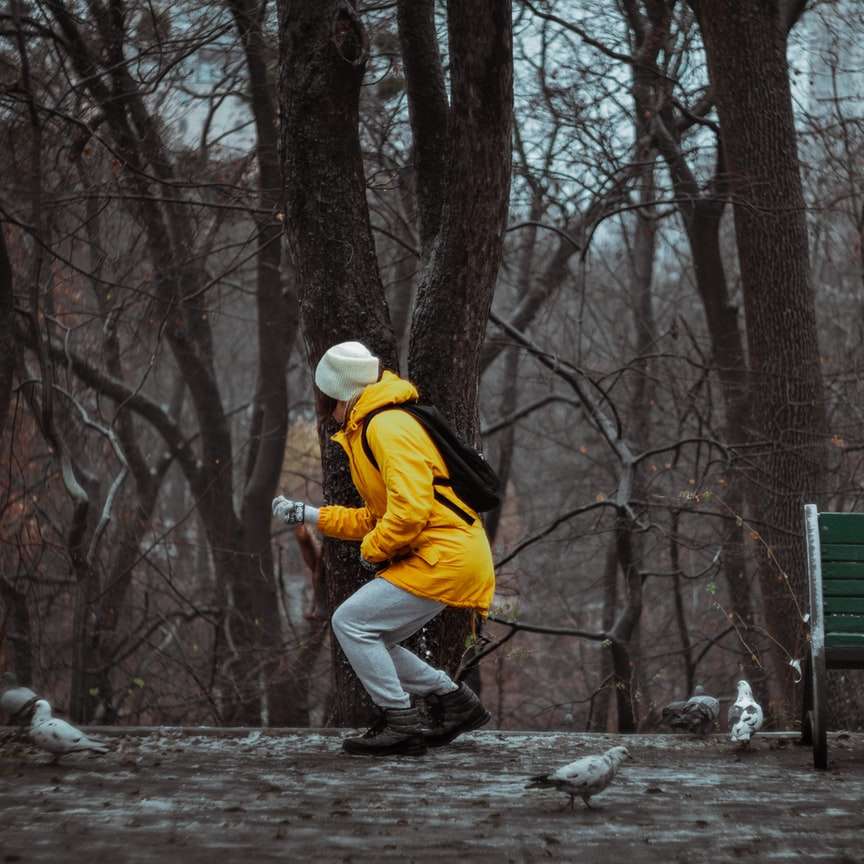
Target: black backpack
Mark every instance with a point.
(471, 476)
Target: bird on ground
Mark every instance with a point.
(698, 714)
(16, 701)
(59, 737)
(745, 716)
(585, 777)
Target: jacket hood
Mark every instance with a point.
(390, 390)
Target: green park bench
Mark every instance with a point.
(835, 566)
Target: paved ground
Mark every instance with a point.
(291, 795)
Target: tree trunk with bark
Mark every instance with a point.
(462, 205)
(8, 345)
(702, 214)
(455, 290)
(745, 42)
(323, 58)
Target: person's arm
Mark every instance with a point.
(343, 523)
(402, 450)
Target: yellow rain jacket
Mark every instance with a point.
(434, 552)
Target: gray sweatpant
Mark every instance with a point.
(370, 624)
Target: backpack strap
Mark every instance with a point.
(436, 481)
(365, 441)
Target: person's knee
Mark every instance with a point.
(344, 623)
(339, 622)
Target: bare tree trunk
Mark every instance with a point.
(702, 215)
(323, 56)
(8, 344)
(17, 628)
(278, 323)
(455, 291)
(327, 222)
(603, 722)
(510, 396)
(745, 42)
(454, 295)
(429, 112)
(645, 328)
(680, 615)
(625, 631)
(403, 290)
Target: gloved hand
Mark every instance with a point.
(373, 566)
(290, 512)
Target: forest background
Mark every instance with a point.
(620, 244)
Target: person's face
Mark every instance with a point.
(339, 412)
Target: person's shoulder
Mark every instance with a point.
(392, 420)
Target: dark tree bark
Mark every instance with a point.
(702, 214)
(642, 396)
(278, 323)
(745, 42)
(17, 627)
(625, 631)
(8, 345)
(462, 202)
(327, 220)
(455, 291)
(601, 718)
(323, 57)
(427, 105)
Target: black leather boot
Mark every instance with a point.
(396, 732)
(454, 713)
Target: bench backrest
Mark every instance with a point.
(841, 565)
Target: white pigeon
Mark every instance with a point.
(59, 737)
(15, 700)
(585, 777)
(698, 714)
(745, 716)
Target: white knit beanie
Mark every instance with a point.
(345, 369)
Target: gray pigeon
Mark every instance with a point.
(16, 701)
(585, 777)
(698, 714)
(59, 737)
(745, 716)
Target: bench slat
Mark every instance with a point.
(835, 624)
(844, 605)
(841, 527)
(843, 588)
(842, 570)
(846, 656)
(842, 552)
(848, 640)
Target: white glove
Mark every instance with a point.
(294, 512)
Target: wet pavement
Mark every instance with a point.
(217, 795)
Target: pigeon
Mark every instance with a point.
(16, 701)
(698, 714)
(59, 737)
(585, 777)
(745, 716)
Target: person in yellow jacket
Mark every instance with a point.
(426, 550)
